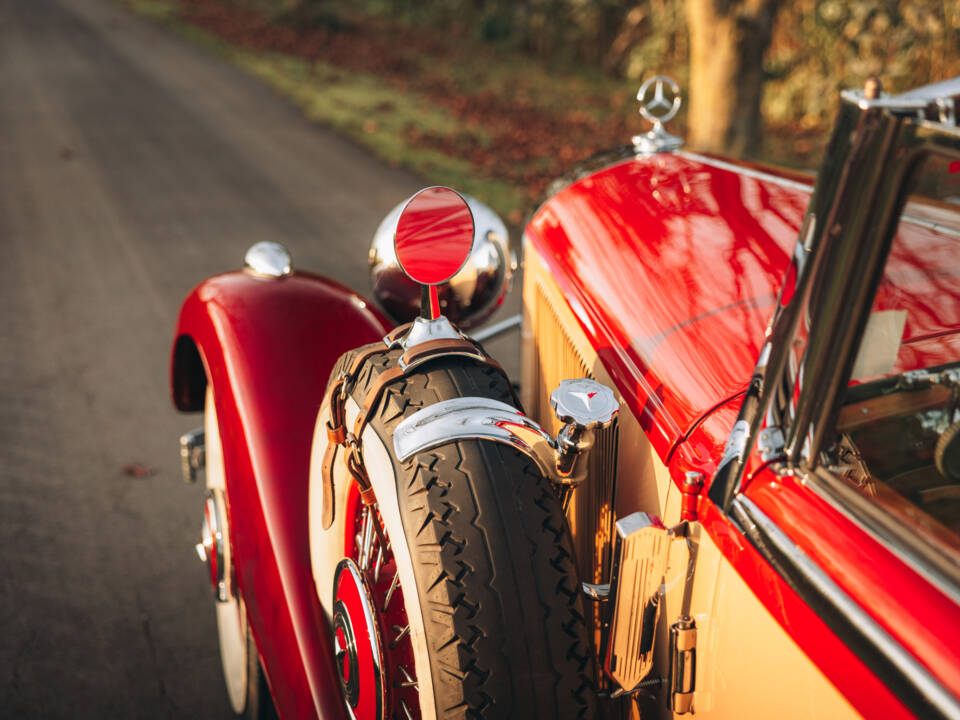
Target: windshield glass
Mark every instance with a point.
(915, 318)
(898, 431)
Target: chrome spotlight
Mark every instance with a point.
(471, 296)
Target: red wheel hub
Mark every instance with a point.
(371, 632)
(356, 639)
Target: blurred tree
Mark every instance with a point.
(727, 41)
(631, 30)
(746, 74)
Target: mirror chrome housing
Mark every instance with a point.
(470, 296)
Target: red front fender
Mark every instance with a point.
(268, 345)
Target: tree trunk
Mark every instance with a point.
(727, 41)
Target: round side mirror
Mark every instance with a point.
(471, 295)
(434, 235)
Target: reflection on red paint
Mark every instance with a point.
(789, 285)
(920, 617)
(672, 266)
(920, 279)
(233, 319)
(434, 235)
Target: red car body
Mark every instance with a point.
(673, 269)
(672, 265)
(268, 348)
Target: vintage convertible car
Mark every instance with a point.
(769, 526)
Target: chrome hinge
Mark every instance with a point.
(947, 111)
(770, 443)
(683, 665)
(192, 454)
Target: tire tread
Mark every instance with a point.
(493, 559)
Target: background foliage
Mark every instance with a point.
(819, 46)
(498, 97)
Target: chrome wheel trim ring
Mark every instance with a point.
(232, 632)
(357, 642)
(231, 614)
(384, 481)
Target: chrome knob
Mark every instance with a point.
(584, 403)
(268, 259)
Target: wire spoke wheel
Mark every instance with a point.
(374, 653)
(455, 594)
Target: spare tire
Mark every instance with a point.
(493, 566)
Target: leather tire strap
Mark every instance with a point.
(370, 403)
(446, 346)
(396, 334)
(468, 348)
(337, 431)
(411, 360)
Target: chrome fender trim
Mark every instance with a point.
(475, 418)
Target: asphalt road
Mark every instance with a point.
(132, 165)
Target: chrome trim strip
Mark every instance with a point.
(936, 227)
(748, 172)
(493, 331)
(850, 611)
(902, 103)
(935, 91)
(885, 530)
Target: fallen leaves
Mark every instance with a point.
(138, 470)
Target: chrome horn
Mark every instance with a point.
(471, 296)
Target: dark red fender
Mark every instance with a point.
(268, 346)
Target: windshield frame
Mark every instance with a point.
(847, 233)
